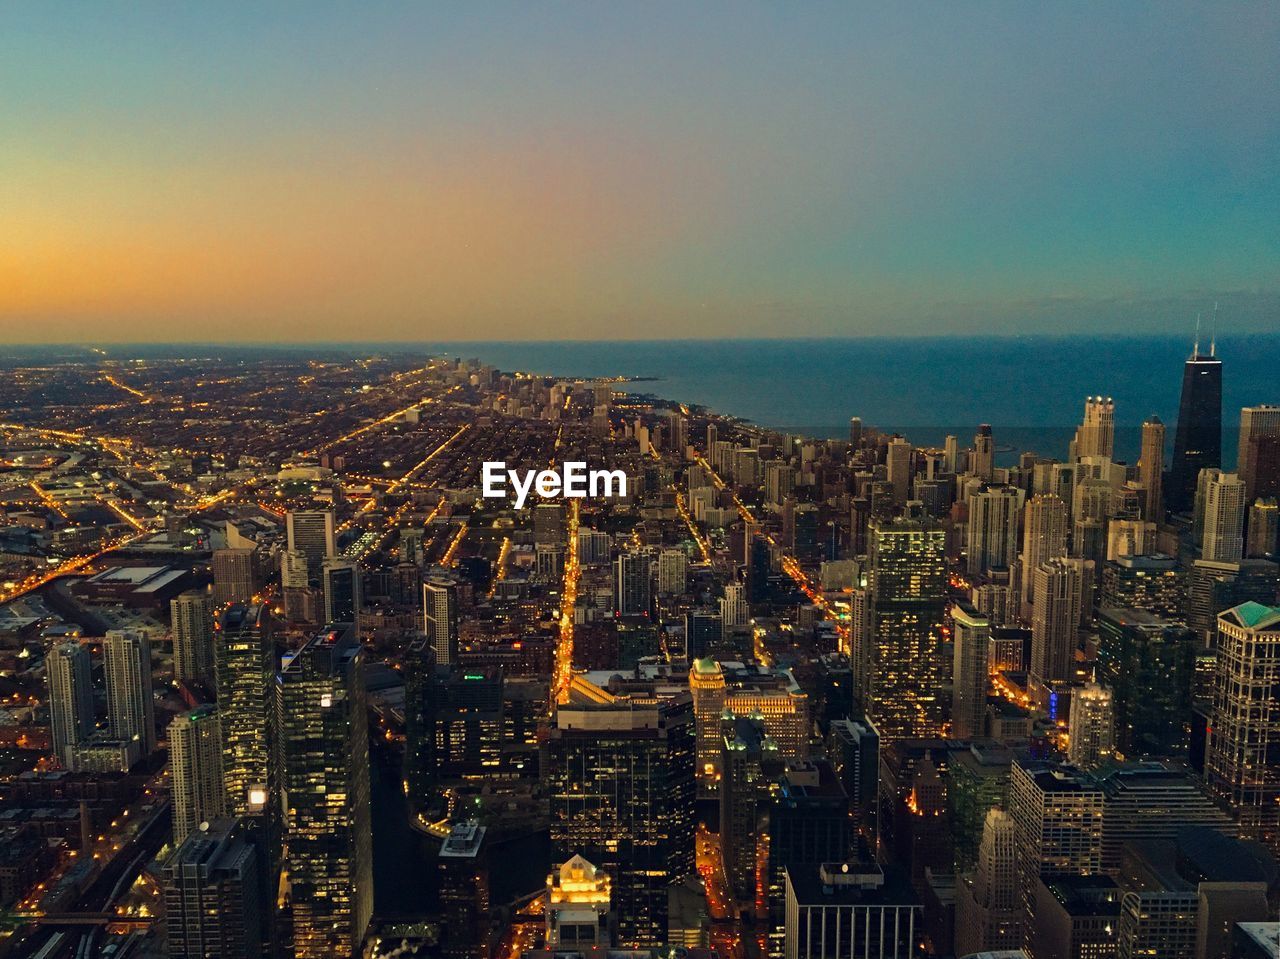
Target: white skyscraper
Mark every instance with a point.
(440, 618)
(1096, 436)
(734, 610)
(1224, 511)
(195, 765)
(993, 529)
(1091, 739)
(126, 663)
(70, 682)
(191, 620)
(312, 533)
(673, 570)
(1055, 618)
(1044, 537)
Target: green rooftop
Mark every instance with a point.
(1251, 613)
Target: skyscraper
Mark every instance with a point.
(343, 593)
(234, 580)
(1091, 738)
(906, 670)
(325, 752)
(1256, 423)
(1197, 444)
(195, 764)
(750, 761)
(1044, 537)
(673, 569)
(126, 664)
(1055, 618)
(67, 671)
(1242, 765)
(213, 894)
(622, 796)
(440, 618)
(631, 584)
(984, 454)
(191, 620)
(1224, 512)
(993, 529)
(245, 665)
(1264, 529)
(312, 533)
(1096, 436)
(988, 904)
(971, 636)
(898, 465)
(1151, 470)
(1147, 664)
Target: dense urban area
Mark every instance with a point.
(276, 679)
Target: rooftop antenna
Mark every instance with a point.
(1195, 349)
(1213, 335)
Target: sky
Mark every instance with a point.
(442, 171)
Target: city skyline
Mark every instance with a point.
(728, 171)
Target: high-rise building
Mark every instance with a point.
(622, 795)
(1152, 582)
(1241, 765)
(1057, 815)
(984, 454)
(1044, 537)
(734, 609)
(988, 904)
(673, 572)
(971, 636)
(234, 576)
(1264, 529)
(312, 533)
(898, 466)
(126, 664)
(343, 593)
(1151, 470)
(578, 905)
(1197, 444)
(750, 762)
(707, 686)
(1055, 618)
(67, 671)
(1096, 436)
(1147, 663)
(853, 747)
(1224, 510)
(191, 620)
(993, 529)
(440, 619)
(245, 666)
(1152, 802)
(1091, 734)
(464, 892)
(906, 669)
(195, 766)
(1256, 423)
(835, 910)
(214, 895)
(631, 583)
(294, 573)
(325, 754)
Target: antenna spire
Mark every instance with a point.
(1213, 335)
(1195, 349)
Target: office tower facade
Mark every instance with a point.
(853, 747)
(673, 572)
(234, 576)
(1152, 802)
(749, 760)
(1055, 618)
(993, 529)
(1044, 537)
(898, 467)
(984, 454)
(245, 665)
(548, 524)
(464, 892)
(971, 636)
(214, 894)
(68, 673)
(631, 584)
(1213, 587)
(312, 533)
(343, 591)
(1197, 443)
(440, 619)
(622, 796)
(1243, 760)
(838, 910)
(1264, 529)
(1091, 734)
(808, 821)
(294, 573)
(707, 687)
(988, 903)
(1147, 663)
(325, 757)
(1152, 582)
(734, 609)
(1151, 470)
(1256, 424)
(454, 723)
(1057, 814)
(1224, 512)
(1096, 435)
(126, 665)
(906, 670)
(191, 621)
(195, 764)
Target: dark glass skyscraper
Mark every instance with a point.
(1198, 442)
